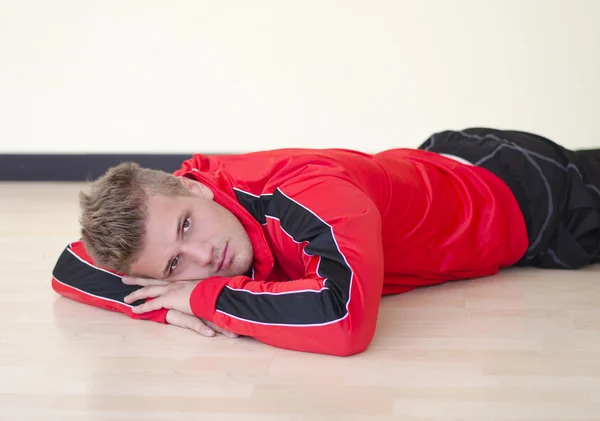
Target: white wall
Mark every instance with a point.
(230, 76)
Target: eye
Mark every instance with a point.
(186, 224)
(174, 264)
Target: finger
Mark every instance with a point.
(144, 282)
(186, 321)
(220, 330)
(146, 292)
(153, 305)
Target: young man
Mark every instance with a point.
(295, 247)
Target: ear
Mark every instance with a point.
(196, 188)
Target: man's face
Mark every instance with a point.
(192, 238)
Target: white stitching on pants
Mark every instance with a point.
(536, 166)
(557, 260)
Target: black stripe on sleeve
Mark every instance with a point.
(302, 307)
(256, 205)
(72, 271)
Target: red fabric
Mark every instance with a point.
(402, 219)
(97, 300)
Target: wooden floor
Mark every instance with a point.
(522, 345)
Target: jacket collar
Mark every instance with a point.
(222, 186)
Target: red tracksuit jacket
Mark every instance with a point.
(332, 231)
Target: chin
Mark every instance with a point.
(242, 265)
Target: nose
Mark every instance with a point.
(201, 254)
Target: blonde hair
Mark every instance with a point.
(113, 212)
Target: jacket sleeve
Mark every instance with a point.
(76, 276)
(337, 232)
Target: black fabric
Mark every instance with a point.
(558, 190)
(71, 270)
(294, 307)
(255, 205)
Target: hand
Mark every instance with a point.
(171, 295)
(203, 327)
(174, 296)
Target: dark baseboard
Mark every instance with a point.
(77, 167)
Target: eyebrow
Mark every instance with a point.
(177, 237)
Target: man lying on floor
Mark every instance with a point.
(296, 247)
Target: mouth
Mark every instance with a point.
(224, 261)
